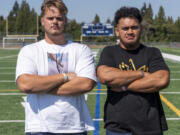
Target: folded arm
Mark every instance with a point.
(151, 83)
(78, 85)
(116, 78)
(28, 83)
(133, 80)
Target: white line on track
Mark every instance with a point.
(7, 67)
(7, 73)
(6, 81)
(22, 121)
(4, 57)
(92, 93)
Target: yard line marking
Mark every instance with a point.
(175, 71)
(170, 92)
(8, 60)
(7, 56)
(174, 79)
(100, 119)
(6, 81)
(11, 94)
(171, 56)
(7, 73)
(172, 118)
(170, 105)
(12, 121)
(91, 93)
(7, 67)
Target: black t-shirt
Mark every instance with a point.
(139, 113)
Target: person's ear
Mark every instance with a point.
(42, 21)
(116, 30)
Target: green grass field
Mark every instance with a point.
(12, 112)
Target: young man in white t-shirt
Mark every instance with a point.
(55, 74)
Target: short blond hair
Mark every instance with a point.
(59, 4)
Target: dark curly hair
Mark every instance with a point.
(127, 12)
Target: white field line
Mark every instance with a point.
(171, 57)
(8, 60)
(4, 57)
(166, 119)
(7, 67)
(175, 72)
(92, 93)
(7, 81)
(169, 92)
(174, 79)
(11, 94)
(7, 73)
(101, 119)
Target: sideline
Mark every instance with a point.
(170, 105)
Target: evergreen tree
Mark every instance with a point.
(23, 18)
(147, 32)
(12, 18)
(96, 19)
(143, 10)
(73, 28)
(108, 21)
(160, 18)
(2, 26)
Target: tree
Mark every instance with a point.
(143, 10)
(73, 28)
(96, 19)
(160, 18)
(108, 20)
(12, 17)
(147, 14)
(2, 26)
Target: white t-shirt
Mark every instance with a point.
(50, 113)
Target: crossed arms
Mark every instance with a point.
(54, 84)
(133, 80)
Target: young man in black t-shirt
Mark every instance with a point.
(134, 75)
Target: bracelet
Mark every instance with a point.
(65, 77)
(123, 88)
(142, 72)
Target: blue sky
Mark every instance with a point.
(85, 10)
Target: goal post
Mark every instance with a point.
(14, 41)
(18, 41)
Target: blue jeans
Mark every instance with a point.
(115, 133)
(45, 133)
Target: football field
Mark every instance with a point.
(11, 100)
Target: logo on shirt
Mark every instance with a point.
(57, 63)
(131, 66)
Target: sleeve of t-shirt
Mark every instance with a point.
(156, 61)
(106, 57)
(85, 66)
(25, 62)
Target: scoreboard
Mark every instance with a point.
(99, 29)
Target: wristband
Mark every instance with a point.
(142, 72)
(123, 88)
(65, 77)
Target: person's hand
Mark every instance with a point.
(71, 75)
(146, 73)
